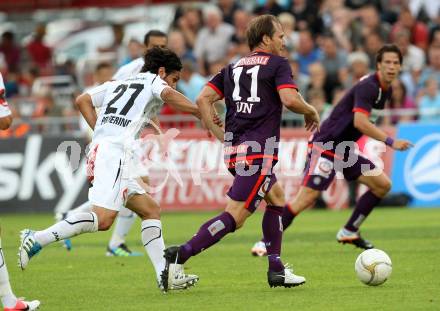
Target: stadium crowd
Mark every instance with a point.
(330, 45)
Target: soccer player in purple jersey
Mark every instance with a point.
(332, 149)
(255, 89)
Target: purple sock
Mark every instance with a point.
(287, 218)
(209, 233)
(273, 233)
(364, 206)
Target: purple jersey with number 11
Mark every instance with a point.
(250, 87)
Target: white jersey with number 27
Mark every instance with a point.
(125, 105)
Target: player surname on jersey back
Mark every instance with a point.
(116, 120)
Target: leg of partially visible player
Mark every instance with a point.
(379, 185)
(9, 301)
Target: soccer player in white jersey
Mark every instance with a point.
(126, 218)
(9, 301)
(124, 106)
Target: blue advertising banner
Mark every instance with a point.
(417, 171)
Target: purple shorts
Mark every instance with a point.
(253, 188)
(320, 170)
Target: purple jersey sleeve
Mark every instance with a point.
(364, 97)
(217, 83)
(284, 76)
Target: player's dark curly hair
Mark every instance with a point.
(259, 27)
(161, 57)
(387, 48)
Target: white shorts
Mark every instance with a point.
(105, 165)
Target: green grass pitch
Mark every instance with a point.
(230, 278)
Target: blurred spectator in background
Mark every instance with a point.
(27, 80)
(117, 45)
(215, 67)
(213, 39)
(306, 53)
(301, 80)
(103, 73)
(12, 85)
(291, 36)
(429, 106)
(358, 66)
(418, 31)
(333, 58)
(268, 7)
(319, 81)
(347, 35)
(306, 15)
(358, 4)
(228, 8)
(176, 42)
(134, 49)
(371, 22)
(190, 23)
(10, 51)
(372, 43)
(413, 56)
(316, 98)
(241, 21)
(428, 7)
(400, 101)
(191, 82)
(433, 69)
(40, 54)
(434, 36)
(238, 50)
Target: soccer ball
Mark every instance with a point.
(373, 267)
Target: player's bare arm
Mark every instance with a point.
(205, 103)
(179, 101)
(363, 124)
(85, 106)
(293, 101)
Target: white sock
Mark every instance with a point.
(124, 222)
(71, 226)
(152, 239)
(7, 296)
(86, 207)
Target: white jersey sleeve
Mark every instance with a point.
(98, 94)
(4, 108)
(129, 70)
(157, 86)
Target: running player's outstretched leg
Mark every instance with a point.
(86, 207)
(9, 301)
(33, 241)
(379, 186)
